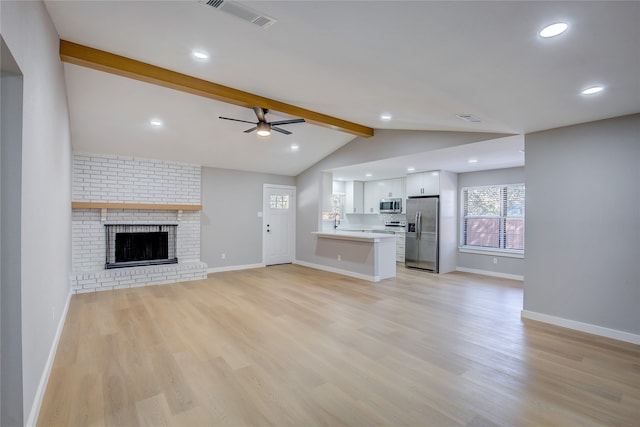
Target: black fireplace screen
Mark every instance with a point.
(131, 245)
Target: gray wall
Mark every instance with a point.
(583, 223)
(231, 201)
(385, 144)
(11, 84)
(505, 265)
(46, 189)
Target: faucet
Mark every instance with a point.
(336, 220)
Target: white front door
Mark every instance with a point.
(278, 224)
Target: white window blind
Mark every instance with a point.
(493, 217)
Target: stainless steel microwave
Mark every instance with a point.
(391, 206)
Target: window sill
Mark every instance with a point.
(491, 252)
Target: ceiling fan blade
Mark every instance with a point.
(286, 132)
(260, 112)
(251, 130)
(235, 120)
(287, 122)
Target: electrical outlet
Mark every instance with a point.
(339, 257)
(495, 260)
(223, 256)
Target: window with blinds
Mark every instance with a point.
(493, 217)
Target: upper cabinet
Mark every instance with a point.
(372, 191)
(354, 197)
(423, 184)
(382, 189)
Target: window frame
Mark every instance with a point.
(485, 250)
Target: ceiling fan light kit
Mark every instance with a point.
(263, 127)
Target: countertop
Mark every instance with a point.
(361, 236)
(372, 229)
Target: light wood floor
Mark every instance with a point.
(292, 346)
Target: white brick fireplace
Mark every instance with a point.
(134, 191)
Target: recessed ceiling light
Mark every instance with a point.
(156, 122)
(435, 173)
(411, 169)
(592, 90)
(294, 147)
(368, 175)
(200, 54)
(553, 30)
(472, 161)
(385, 117)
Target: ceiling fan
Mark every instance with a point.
(264, 127)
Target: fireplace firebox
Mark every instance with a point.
(133, 245)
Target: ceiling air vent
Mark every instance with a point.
(240, 11)
(469, 118)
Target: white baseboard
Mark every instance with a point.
(44, 378)
(338, 271)
(491, 273)
(582, 327)
(234, 267)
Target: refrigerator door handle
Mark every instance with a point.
(418, 225)
(437, 218)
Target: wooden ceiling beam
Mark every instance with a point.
(77, 54)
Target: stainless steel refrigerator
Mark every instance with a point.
(421, 247)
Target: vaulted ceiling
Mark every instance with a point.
(422, 62)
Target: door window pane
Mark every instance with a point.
(279, 201)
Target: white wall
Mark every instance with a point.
(231, 201)
(506, 266)
(46, 189)
(11, 84)
(583, 227)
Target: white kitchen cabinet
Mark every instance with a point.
(414, 185)
(423, 184)
(371, 197)
(397, 188)
(391, 188)
(385, 189)
(354, 200)
(399, 191)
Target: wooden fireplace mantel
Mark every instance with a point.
(138, 206)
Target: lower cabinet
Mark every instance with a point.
(400, 240)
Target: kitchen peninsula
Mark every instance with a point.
(368, 256)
